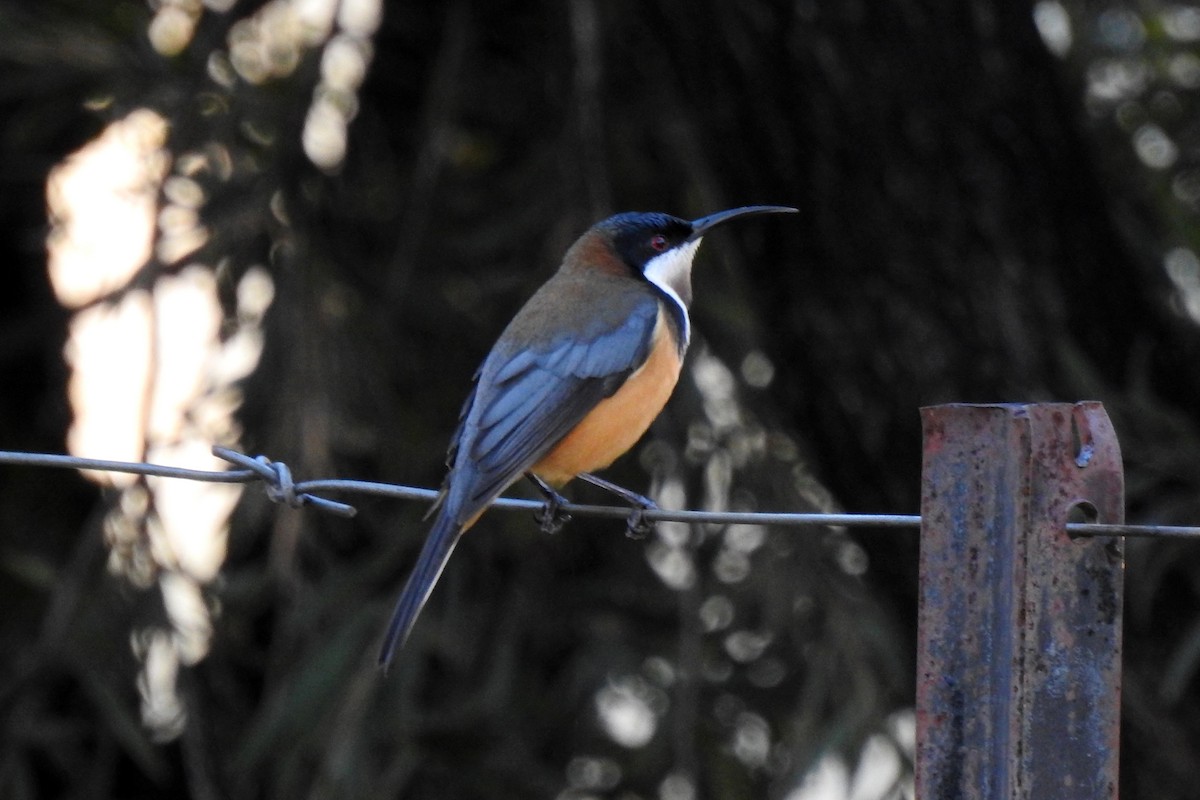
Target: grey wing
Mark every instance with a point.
(525, 402)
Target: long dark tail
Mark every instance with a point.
(438, 546)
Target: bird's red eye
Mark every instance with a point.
(658, 242)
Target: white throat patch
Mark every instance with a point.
(672, 272)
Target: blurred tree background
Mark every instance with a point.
(999, 202)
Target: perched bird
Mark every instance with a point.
(573, 382)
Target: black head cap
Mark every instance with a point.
(640, 236)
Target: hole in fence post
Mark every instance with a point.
(1084, 512)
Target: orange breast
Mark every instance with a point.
(617, 422)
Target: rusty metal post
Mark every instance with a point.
(1019, 632)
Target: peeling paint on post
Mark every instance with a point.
(1019, 632)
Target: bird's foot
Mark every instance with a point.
(636, 526)
(550, 517)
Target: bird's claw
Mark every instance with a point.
(551, 517)
(636, 524)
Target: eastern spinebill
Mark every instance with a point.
(573, 382)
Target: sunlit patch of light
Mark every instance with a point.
(173, 25)
(1121, 29)
(716, 613)
(757, 370)
(110, 184)
(902, 728)
(1110, 80)
(732, 563)
(1184, 70)
(745, 538)
(674, 565)
(179, 230)
(828, 780)
(751, 739)
(1181, 22)
(592, 774)
(185, 607)
(677, 786)
(660, 670)
(731, 566)
(670, 554)
(767, 673)
(718, 389)
(880, 774)
(343, 68)
(162, 709)
(270, 44)
(109, 346)
(123, 527)
(629, 708)
(151, 378)
(852, 557)
(746, 646)
(1183, 268)
(1154, 147)
(1053, 25)
(672, 495)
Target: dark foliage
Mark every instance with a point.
(975, 226)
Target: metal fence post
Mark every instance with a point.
(1019, 631)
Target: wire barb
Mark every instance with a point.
(280, 486)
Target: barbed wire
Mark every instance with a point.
(281, 488)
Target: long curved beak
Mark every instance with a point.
(705, 224)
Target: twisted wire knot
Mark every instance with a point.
(280, 487)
